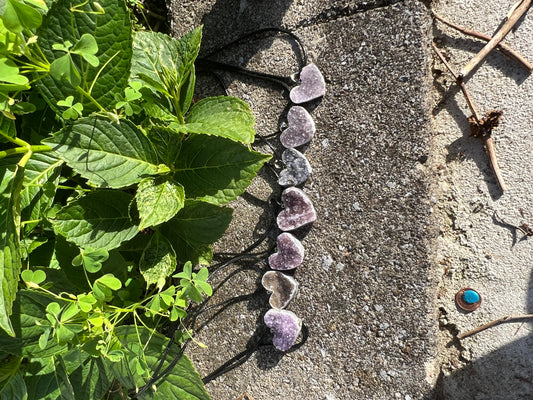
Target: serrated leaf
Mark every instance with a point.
(90, 376)
(194, 228)
(216, 170)
(158, 261)
(222, 116)
(41, 177)
(99, 219)
(154, 51)
(158, 200)
(106, 153)
(29, 322)
(14, 389)
(182, 382)
(11, 178)
(167, 143)
(112, 33)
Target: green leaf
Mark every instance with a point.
(222, 116)
(11, 178)
(106, 153)
(194, 228)
(7, 127)
(63, 70)
(14, 389)
(41, 177)
(182, 382)
(9, 73)
(155, 51)
(158, 200)
(91, 259)
(90, 376)
(110, 281)
(87, 48)
(99, 219)
(111, 31)
(158, 261)
(167, 143)
(19, 16)
(29, 322)
(216, 170)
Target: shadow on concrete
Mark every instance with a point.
(497, 376)
(467, 146)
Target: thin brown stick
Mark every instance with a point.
(461, 84)
(502, 47)
(487, 140)
(497, 38)
(491, 150)
(508, 318)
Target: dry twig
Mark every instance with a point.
(503, 48)
(497, 38)
(508, 318)
(479, 126)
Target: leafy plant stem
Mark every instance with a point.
(22, 150)
(101, 69)
(90, 98)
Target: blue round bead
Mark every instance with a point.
(470, 297)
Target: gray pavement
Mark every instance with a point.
(394, 199)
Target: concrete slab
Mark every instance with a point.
(474, 248)
(366, 284)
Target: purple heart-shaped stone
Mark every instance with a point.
(290, 253)
(297, 168)
(282, 287)
(285, 326)
(301, 128)
(312, 85)
(298, 211)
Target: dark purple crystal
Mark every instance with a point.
(285, 326)
(298, 211)
(290, 253)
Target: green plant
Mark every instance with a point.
(113, 185)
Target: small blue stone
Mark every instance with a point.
(470, 297)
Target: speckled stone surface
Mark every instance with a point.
(297, 168)
(290, 253)
(285, 326)
(298, 211)
(366, 286)
(311, 87)
(283, 288)
(301, 128)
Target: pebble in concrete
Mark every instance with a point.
(290, 253)
(285, 326)
(301, 128)
(282, 287)
(298, 211)
(297, 168)
(312, 85)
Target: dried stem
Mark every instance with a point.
(491, 150)
(498, 37)
(461, 84)
(508, 318)
(487, 140)
(502, 47)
